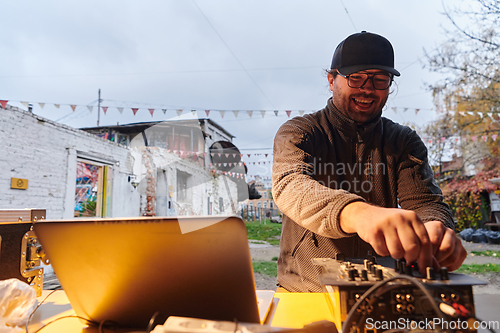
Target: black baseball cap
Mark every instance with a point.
(362, 51)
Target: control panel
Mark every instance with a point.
(378, 294)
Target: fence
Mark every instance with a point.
(251, 213)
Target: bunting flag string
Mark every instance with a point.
(492, 114)
(483, 137)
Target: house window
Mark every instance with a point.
(221, 205)
(265, 204)
(93, 189)
(182, 186)
(258, 204)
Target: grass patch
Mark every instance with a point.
(479, 268)
(265, 231)
(265, 267)
(275, 259)
(488, 253)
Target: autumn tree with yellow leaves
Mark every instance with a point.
(469, 101)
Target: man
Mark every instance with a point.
(340, 174)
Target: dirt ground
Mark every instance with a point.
(266, 252)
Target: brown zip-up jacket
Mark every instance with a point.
(324, 161)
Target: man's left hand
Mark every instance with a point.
(447, 248)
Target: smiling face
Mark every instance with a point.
(359, 104)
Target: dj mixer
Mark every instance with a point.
(382, 294)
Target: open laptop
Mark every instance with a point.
(125, 269)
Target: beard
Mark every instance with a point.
(359, 107)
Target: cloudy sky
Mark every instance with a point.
(259, 55)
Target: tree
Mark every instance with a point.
(469, 94)
(467, 196)
(469, 57)
(469, 99)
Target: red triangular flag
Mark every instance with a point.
(151, 111)
(207, 112)
(288, 113)
(3, 103)
(104, 109)
(73, 107)
(134, 110)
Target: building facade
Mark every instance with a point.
(123, 171)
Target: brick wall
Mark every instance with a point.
(45, 153)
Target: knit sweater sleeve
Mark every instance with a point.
(297, 193)
(417, 189)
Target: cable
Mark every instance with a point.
(349, 16)
(350, 316)
(36, 308)
(57, 319)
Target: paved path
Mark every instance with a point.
(479, 259)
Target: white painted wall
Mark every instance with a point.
(164, 167)
(45, 153)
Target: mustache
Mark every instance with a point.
(372, 96)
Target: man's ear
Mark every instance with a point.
(330, 81)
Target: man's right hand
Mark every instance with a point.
(390, 231)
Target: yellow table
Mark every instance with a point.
(292, 310)
(295, 310)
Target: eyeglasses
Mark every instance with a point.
(358, 80)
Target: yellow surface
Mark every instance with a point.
(292, 310)
(295, 310)
(56, 305)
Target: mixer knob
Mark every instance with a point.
(444, 273)
(429, 273)
(364, 275)
(352, 274)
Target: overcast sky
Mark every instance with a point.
(259, 55)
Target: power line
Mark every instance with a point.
(231, 51)
(349, 16)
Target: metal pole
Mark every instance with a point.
(98, 107)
